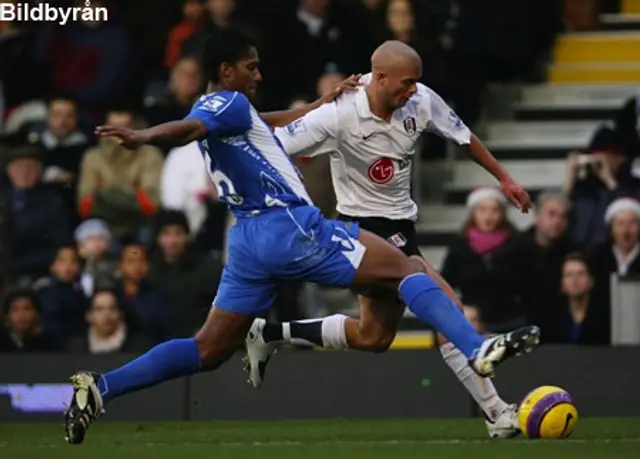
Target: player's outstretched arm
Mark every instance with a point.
(283, 117)
(516, 193)
(444, 122)
(175, 132)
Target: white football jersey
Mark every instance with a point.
(370, 157)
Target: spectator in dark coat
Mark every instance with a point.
(145, 308)
(37, 216)
(22, 330)
(63, 301)
(546, 244)
(486, 263)
(595, 180)
(188, 278)
(107, 332)
(583, 316)
(620, 254)
(63, 145)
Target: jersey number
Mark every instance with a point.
(224, 185)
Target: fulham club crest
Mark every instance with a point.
(410, 125)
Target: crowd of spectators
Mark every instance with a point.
(557, 273)
(107, 249)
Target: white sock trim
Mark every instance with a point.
(334, 335)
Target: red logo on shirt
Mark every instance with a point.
(381, 171)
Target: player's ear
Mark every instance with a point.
(226, 70)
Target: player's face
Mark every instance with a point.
(624, 230)
(399, 84)
(245, 75)
(487, 215)
(576, 280)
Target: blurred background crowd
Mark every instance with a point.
(104, 249)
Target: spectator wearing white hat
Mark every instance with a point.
(621, 253)
(486, 263)
(93, 239)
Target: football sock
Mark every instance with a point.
(171, 359)
(481, 389)
(328, 332)
(431, 305)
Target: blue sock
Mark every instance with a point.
(172, 359)
(426, 300)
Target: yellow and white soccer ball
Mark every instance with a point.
(547, 412)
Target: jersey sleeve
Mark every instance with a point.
(443, 121)
(224, 113)
(314, 134)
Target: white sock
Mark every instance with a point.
(481, 389)
(334, 335)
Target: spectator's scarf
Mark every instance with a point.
(482, 242)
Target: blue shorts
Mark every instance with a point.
(285, 244)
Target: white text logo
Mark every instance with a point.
(44, 12)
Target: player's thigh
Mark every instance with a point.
(383, 265)
(380, 315)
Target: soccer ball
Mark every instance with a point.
(547, 412)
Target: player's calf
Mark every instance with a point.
(385, 265)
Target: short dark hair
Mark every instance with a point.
(224, 45)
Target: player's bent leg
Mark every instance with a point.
(384, 264)
(373, 331)
(376, 328)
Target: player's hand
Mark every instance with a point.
(517, 195)
(349, 84)
(128, 138)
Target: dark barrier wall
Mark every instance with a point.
(310, 384)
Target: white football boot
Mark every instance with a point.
(258, 353)
(506, 424)
(499, 348)
(86, 406)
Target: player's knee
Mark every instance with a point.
(378, 341)
(418, 264)
(212, 353)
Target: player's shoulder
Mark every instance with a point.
(223, 101)
(225, 108)
(425, 93)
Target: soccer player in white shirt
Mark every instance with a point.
(370, 135)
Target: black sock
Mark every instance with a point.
(308, 331)
(272, 332)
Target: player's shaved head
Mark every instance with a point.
(393, 54)
(396, 69)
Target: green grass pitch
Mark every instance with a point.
(379, 439)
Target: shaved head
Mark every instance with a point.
(392, 54)
(396, 69)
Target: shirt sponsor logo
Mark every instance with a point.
(381, 171)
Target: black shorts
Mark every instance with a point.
(401, 233)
